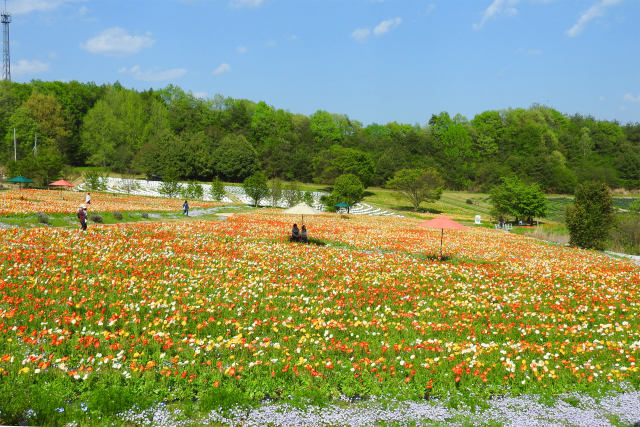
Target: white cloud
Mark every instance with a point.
(361, 34)
(241, 49)
(25, 66)
(270, 43)
(153, 75)
(222, 68)
(116, 41)
(386, 26)
(200, 95)
(594, 11)
(245, 3)
(528, 52)
(602, 99)
(21, 7)
(430, 8)
(498, 7)
(629, 97)
(84, 10)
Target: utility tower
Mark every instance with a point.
(6, 59)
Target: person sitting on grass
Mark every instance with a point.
(295, 233)
(303, 234)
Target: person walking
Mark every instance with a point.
(87, 199)
(82, 217)
(185, 208)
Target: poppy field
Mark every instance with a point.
(61, 201)
(221, 312)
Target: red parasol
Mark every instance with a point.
(61, 183)
(442, 222)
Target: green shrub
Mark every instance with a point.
(193, 190)
(42, 218)
(95, 181)
(96, 218)
(217, 190)
(469, 201)
(118, 216)
(144, 215)
(590, 218)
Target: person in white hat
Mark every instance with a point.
(82, 216)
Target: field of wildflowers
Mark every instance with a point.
(56, 201)
(219, 312)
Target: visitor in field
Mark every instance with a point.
(295, 233)
(185, 208)
(87, 199)
(82, 216)
(303, 233)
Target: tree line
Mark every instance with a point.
(170, 132)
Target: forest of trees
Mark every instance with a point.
(168, 131)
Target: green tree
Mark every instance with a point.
(308, 198)
(255, 187)
(337, 160)
(170, 186)
(95, 181)
(39, 116)
(217, 189)
(513, 197)
(325, 128)
(417, 185)
(43, 169)
(275, 191)
(119, 124)
(235, 159)
(347, 189)
(591, 216)
(192, 190)
(291, 194)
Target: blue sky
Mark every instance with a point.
(373, 60)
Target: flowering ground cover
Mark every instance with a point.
(56, 201)
(212, 313)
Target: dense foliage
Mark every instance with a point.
(156, 130)
(515, 198)
(591, 216)
(417, 185)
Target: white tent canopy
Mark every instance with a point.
(301, 209)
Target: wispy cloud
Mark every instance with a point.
(26, 67)
(153, 75)
(270, 43)
(200, 95)
(594, 11)
(385, 26)
(430, 8)
(221, 69)
(496, 8)
(116, 41)
(245, 3)
(528, 52)
(241, 49)
(21, 7)
(362, 34)
(631, 98)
